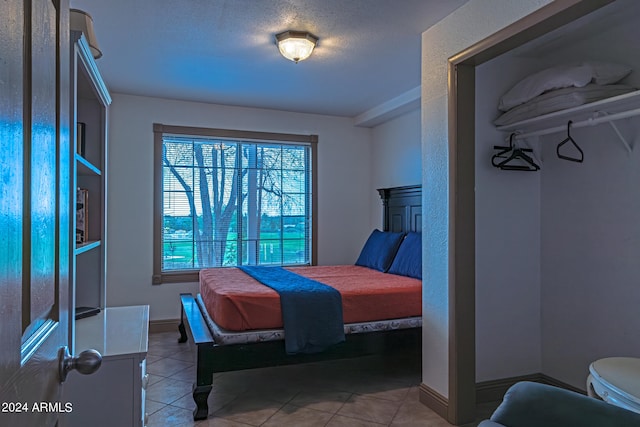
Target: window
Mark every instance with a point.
(226, 198)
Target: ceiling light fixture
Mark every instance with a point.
(79, 20)
(296, 45)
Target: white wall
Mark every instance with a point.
(395, 157)
(507, 240)
(469, 24)
(344, 188)
(589, 223)
(590, 252)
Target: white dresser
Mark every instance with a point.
(115, 394)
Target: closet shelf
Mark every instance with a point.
(86, 246)
(603, 111)
(85, 167)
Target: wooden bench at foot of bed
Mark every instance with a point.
(212, 357)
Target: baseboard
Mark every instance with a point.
(546, 379)
(434, 401)
(494, 390)
(166, 325)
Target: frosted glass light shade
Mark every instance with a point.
(79, 20)
(296, 45)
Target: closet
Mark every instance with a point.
(557, 247)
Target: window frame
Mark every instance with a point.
(159, 130)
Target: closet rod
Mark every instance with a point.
(587, 122)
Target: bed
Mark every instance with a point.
(250, 333)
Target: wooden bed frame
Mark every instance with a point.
(402, 212)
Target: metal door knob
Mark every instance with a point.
(85, 363)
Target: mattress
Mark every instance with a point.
(235, 302)
(560, 99)
(222, 336)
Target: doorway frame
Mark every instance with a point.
(460, 407)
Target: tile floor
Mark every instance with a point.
(370, 391)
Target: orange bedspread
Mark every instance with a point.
(237, 302)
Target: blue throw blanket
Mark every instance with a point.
(311, 311)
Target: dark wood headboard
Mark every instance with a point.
(402, 208)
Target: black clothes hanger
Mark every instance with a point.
(518, 154)
(517, 160)
(503, 151)
(499, 155)
(569, 139)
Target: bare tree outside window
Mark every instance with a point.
(229, 202)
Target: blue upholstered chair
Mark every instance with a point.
(528, 404)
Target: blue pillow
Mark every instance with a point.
(408, 260)
(379, 250)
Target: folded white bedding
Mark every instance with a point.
(569, 75)
(560, 99)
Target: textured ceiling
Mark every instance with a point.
(223, 51)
